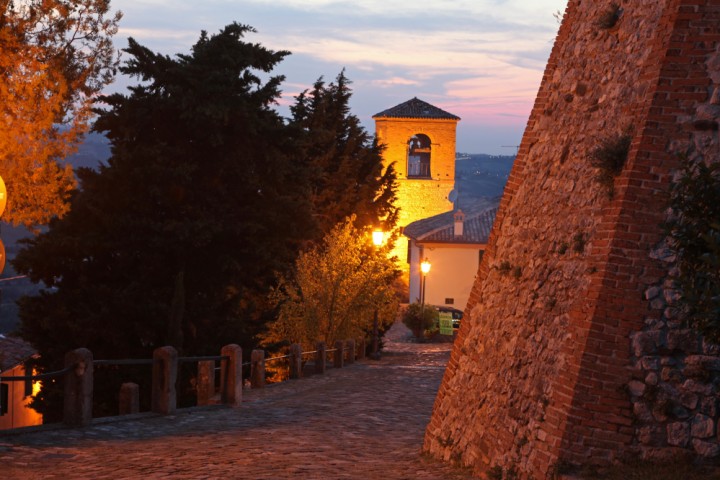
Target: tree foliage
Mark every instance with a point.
(345, 162)
(55, 56)
(337, 287)
(177, 240)
(694, 234)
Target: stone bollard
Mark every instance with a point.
(339, 357)
(77, 407)
(129, 398)
(231, 375)
(351, 351)
(320, 357)
(295, 361)
(165, 367)
(257, 369)
(361, 348)
(205, 382)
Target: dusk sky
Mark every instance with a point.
(479, 59)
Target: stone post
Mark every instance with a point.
(339, 357)
(205, 382)
(77, 407)
(129, 398)
(295, 361)
(320, 357)
(351, 351)
(165, 367)
(231, 375)
(361, 348)
(257, 369)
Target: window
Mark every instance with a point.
(418, 157)
(449, 301)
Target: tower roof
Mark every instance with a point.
(416, 108)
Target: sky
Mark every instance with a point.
(481, 60)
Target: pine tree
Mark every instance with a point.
(177, 240)
(55, 56)
(345, 163)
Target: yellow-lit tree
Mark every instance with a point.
(338, 285)
(55, 56)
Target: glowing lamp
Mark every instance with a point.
(378, 236)
(425, 266)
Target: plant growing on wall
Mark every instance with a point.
(609, 158)
(610, 17)
(694, 235)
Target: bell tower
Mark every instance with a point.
(419, 140)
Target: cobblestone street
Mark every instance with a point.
(364, 421)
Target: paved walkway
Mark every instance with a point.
(365, 421)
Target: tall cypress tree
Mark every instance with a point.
(179, 236)
(345, 162)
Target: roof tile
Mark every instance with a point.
(416, 108)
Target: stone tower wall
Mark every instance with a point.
(569, 353)
(419, 198)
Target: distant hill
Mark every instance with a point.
(94, 149)
(481, 175)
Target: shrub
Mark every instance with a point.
(418, 318)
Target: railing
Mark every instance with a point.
(78, 376)
(418, 169)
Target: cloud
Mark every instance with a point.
(480, 59)
(394, 81)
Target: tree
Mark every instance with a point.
(694, 235)
(338, 285)
(177, 240)
(346, 164)
(55, 56)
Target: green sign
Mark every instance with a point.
(446, 323)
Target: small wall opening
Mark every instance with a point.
(418, 159)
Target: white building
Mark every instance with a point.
(453, 244)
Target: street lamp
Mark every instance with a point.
(424, 268)
(378, 236)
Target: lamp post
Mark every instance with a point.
(424, 268)
(378, 237)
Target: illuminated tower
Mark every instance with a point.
(420, 141)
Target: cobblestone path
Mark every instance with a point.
(365, 421)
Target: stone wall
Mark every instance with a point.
(569, 353)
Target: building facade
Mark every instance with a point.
(453, 244)
(15, 396)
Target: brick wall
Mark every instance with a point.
(551, 367)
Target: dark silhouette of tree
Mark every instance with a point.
(345, 162)
(178, 239)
